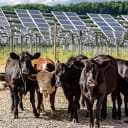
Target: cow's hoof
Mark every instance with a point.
(114, 118)
(91, 126)
(36, 115)
(96, 126)
(103, 118)
(126, 113)
(53, 112)
(22, 109)
(15, 116)
(75, 121)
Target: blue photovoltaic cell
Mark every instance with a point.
(41, 23)
(25, 18)
(112, 23)
(109, 25)
(70, 14)
(66, 26)
(21, 11)
(23, 15)
(105, 16)
(3, 20)
(76, 21)
(102, 24)
(107, 30)
(69, 20)
(36, 16)
(63, 20)
(74, 18)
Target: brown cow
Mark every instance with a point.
(46, 82)
(99, 78)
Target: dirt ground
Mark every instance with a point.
(27, 119)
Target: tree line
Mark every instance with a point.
(113, 8)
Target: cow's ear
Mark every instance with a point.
(36, 55)
(14, 56)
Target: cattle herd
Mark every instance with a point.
(90, 79)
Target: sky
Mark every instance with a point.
(47, 2)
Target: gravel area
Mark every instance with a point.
(46, 120)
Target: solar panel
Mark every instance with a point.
(75, 19)
(3, 20)
(105, 28)
(41, 23)
(112, 22)
(64, 22)
(108, 25)
(69, 20)
(25, 18)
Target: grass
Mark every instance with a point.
(63, 55)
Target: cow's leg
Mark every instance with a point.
(114, 104)
(98, 112)
(16, 101)
(75, 107)
(119, 102)
(70, 100)
(32, 99)
(21, 102)
(52, 101)
(69, 107)
(104, 109)
(12, 99)
(40, 106)
(126, 104)
(90, 110)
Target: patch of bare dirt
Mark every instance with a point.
(27, 119)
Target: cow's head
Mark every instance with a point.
(90, 77)
(46, 81)
(61, 73)
(24, 60)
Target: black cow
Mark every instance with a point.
(99, 78)
(67, 75)
(17, 70)
(123, 81)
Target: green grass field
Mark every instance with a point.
(63, 55)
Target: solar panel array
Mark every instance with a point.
(34, 19)
(69, 20)
(117, 28)
(111, 28)
(41, 23)
(76, 21)
(25, 18)
(3, 20)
